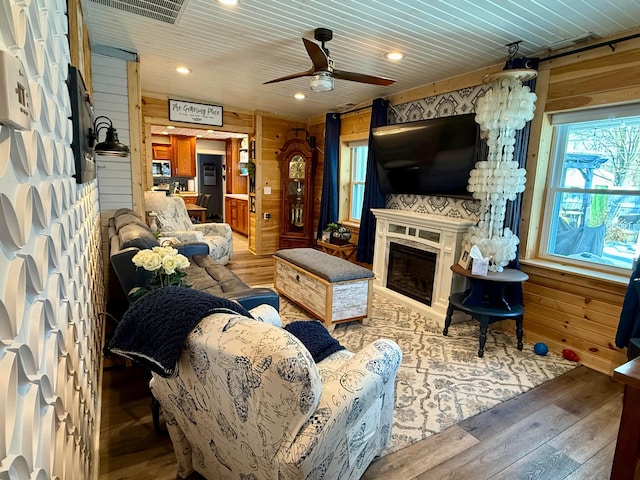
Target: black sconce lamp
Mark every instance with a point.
(111, 147)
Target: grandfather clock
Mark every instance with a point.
(296, 214)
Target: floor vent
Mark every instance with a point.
(167, 11)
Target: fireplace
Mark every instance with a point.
(411, 272)
(412, 259)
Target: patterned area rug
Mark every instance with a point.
(441, 380)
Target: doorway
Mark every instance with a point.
(210, 181)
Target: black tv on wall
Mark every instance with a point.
(427, 157)
(82, 120)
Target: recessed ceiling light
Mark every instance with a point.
(199, 136)
(299, 96)
(183, 70)
(209, 131)
(165, 133)
(170, 127)
(228, 3)
(394, 56)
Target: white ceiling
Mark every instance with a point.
(231, 52)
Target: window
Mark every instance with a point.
(592, 214)
(358, 152)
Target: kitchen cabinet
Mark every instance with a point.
(237, 214)
(161, 151)
(189, 199)
(183, 156)
(236, 181)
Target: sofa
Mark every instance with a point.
(174, 221)
(248, 401)
(128, 234)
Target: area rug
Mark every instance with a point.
(441, 380)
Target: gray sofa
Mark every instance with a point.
(128, 234)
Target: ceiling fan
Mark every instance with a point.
(322, 72)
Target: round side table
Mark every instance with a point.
(487, 301)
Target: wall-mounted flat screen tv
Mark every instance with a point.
(82, 120)
(427, 157)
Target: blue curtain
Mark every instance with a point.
(372, 196)
(329, 198)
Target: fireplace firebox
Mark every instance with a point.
(411, 272)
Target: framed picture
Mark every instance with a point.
(465, 258)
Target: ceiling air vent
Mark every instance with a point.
(167, 11)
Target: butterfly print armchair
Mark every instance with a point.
(249, 402)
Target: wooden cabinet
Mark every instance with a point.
(236, 182)
(183, 156)
(189, 199)
(237, 214)
(161, 151)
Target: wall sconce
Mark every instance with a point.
(111, 147)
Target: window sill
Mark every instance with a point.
(351, 225)
(599, 275)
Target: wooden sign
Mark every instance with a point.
(191, 112)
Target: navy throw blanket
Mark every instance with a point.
(153, 330)
(315, 337)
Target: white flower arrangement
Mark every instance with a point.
(166, 266)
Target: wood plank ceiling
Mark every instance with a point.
(231, 52)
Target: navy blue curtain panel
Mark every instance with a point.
(329, 198)
(372, 196)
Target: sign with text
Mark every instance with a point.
(191, 112)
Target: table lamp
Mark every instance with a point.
(154, 201)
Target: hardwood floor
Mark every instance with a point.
(563, 429)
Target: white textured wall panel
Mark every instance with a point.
(51, 279)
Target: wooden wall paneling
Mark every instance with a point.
(355, 123)
(317, 131)
(574, 312)
(135, 136)
(271, 136)
(533, 198)
(233, 120)
(79, 42)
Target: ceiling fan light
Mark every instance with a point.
(322, 82)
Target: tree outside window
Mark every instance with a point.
(593, 194)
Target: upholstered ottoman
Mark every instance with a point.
(332, 289)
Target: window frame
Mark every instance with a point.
(345, 169)
(352, 182)
(556, 154)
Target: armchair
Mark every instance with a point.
(248, 401)
(175, 222)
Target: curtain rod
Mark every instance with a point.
(609, 44)
(354, 110)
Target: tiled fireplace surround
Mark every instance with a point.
(433, 233)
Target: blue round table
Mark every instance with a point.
(487, 300)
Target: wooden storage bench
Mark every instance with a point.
(332, 289)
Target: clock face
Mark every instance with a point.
(296, 167)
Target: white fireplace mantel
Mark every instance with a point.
(434, 233)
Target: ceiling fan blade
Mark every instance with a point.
(289, 77)
(362, 78)
(317, 55)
